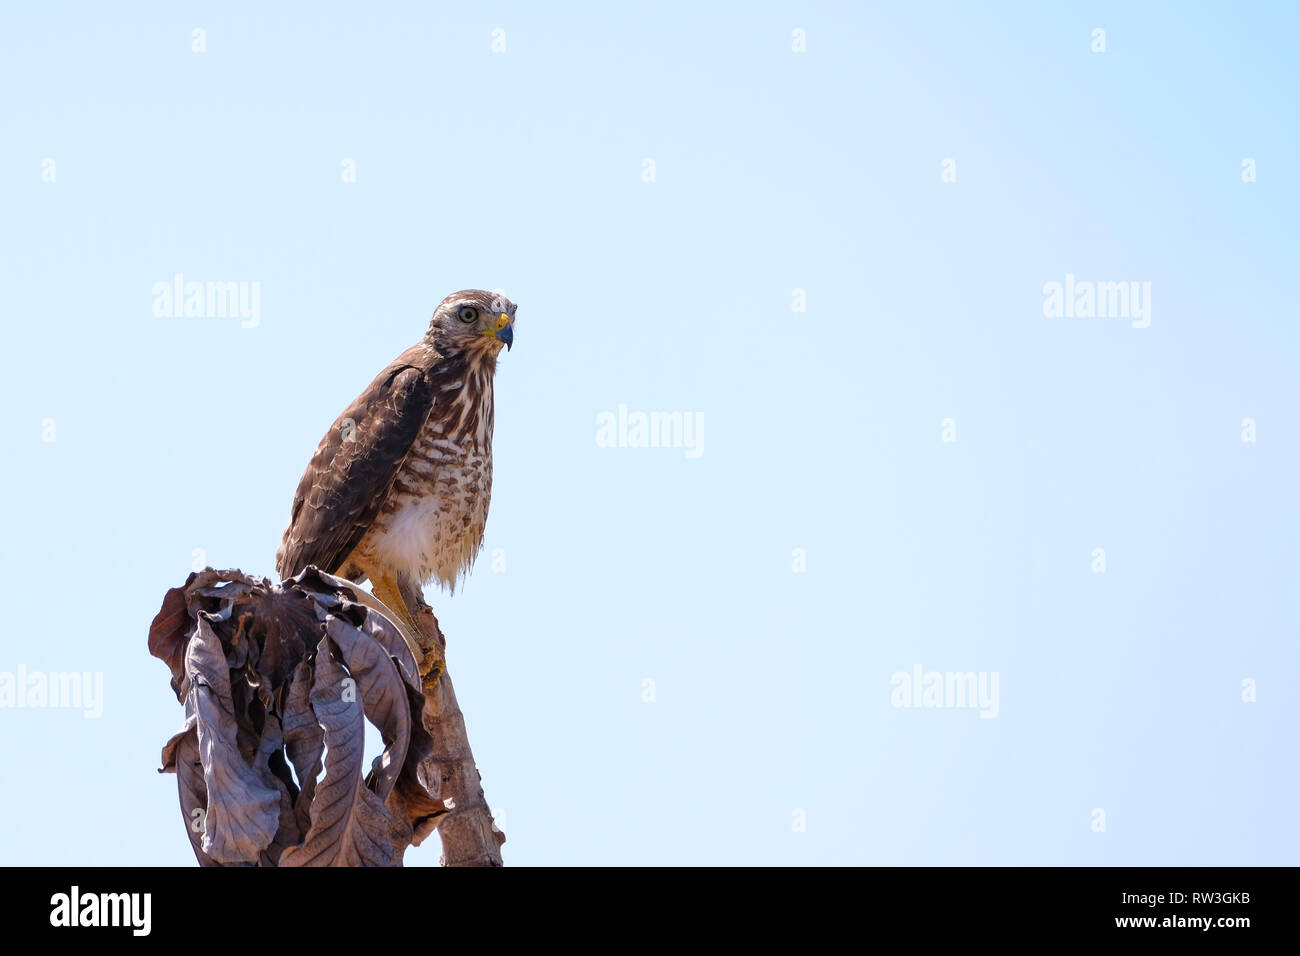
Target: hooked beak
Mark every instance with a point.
(505, 330)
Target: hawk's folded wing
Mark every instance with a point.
(354, 467)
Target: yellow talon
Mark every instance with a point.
(431, 668)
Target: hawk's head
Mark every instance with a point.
(473, 320)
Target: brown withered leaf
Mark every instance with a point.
(304, 741)
(277, 682)
(349, 823)
(243, 813)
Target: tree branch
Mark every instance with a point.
(469, 836)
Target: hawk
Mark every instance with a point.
(398, 489)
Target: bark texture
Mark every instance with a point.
(469, 835)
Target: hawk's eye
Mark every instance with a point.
(467, 313)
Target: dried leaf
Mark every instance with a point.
(304, 742)
(243, 813)
(350, 826)
(193, 791)
(277, 681)
(382, 693)
(169, 634)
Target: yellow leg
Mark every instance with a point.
(426, 652)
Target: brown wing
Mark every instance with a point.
(353, 468)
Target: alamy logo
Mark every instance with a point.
(38, 690)
(102, 909)
(946, 689)
(1102, 300)
(208, 300)
(651, 430)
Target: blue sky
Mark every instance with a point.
(773, 735)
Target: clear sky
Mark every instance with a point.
(811, 286)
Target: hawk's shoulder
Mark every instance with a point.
(355, 464)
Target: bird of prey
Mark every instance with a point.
(398, 489)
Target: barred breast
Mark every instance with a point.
(434, 515)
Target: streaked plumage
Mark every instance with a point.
(399, 487)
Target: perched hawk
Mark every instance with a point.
(398, 489)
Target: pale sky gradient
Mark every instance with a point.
(775, 171)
